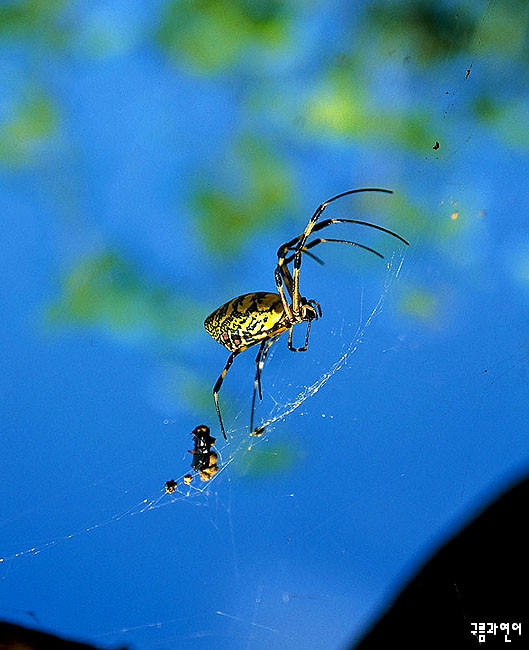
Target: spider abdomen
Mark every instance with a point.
(247, 320)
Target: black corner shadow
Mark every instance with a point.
(479, 577)
(17, 637)
(477, 581)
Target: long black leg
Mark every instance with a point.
(296, 296)
(318, 313)
(259, 363)
(321, 240)
(291, 245)
(284, 279)
(306, 345)
(218, 385)
(328, 222)
(283, 274)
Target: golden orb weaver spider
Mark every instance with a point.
(262, 317)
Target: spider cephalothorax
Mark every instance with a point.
(262, 317)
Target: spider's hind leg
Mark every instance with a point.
(218, 385)
(259, 363)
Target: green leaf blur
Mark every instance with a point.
(108, 291)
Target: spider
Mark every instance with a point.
(260, 317)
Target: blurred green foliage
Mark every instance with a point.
(509, 119)
(182, 385)
(212, 35)
(341, 107)
(294, 91)
(421, 304)
(25, 132)
(107, 290)
(263, 194)
(428, 30)
(503, 31)
(35, 19)
(267, 459)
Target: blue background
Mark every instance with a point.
(153, 158)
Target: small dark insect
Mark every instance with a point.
(204, 459)
(436, 145)
(262, 317)
(171, 486)
(203, 442)
(209, 471)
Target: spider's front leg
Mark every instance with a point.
(310, 310)
(305, 346)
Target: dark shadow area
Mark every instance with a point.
(16, 637)
(478, 577)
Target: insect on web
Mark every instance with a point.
(240, 443)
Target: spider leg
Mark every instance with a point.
(328, 222)
(311, 255)
(291, 245)
(318, 307)
(282, 272)
(284, 279)
(302, 240)
(306, 344)
(259, 363)
(320, 240)
(257, 381)
(218, 385)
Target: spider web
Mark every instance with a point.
(283, 410)
(442, 468)
(239, 443)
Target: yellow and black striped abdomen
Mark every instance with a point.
(246, 320)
